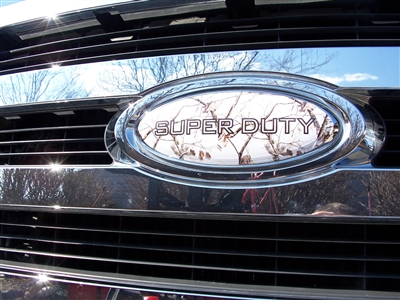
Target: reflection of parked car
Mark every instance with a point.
(196, 149)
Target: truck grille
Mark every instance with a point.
(72, 137)
(307, 254)
(278, 26)
(388, 108)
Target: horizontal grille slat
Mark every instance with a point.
(51, 128)
(272, 253)
(44, 138)
(210, 38)
(53, 153)
(285, 22)
(157, 37)
(208, 236)
(83, 140)
(294, 255)
(203, 267)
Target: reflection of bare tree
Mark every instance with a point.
(301, 61)
(305, 198)
(309, 195)
(86, 188)
(385, 190)
(31, 187)
(50, 187)
(136, 190)
(133, 76)
(42, 85)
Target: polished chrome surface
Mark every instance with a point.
(360, 140)
(45, 285)
(138, 223)
(112, 186)
(339, 129)
(121, 190)
(339, 66)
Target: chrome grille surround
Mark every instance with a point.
(103, 223)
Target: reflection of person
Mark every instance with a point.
(334, 209)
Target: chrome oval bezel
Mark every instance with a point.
(317, 162)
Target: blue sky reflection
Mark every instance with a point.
(347, 67)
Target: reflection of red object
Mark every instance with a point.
(255, 198)
(80, 292)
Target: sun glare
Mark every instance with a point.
(42, 278)
(55, 167)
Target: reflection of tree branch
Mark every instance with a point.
(229, 113)
(156, 142)
(179, 111)
(234, 147)
(147, 134)
(98, 198)
(42, 85)
(271, 149)
(176, 144)
(299, 61)
(234, 105)
(249, 137)
(321, 133)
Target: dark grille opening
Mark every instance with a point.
(388, 108)
(71, 137)
(269, 253)
(375, 33)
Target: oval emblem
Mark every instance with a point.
(229, 129)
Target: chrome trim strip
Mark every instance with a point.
(189, 288)
(111, 190)
(50, 153)
(52, 140)
(52, 128)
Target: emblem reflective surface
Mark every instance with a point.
(237, 129)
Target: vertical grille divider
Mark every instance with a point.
(65, 133)
(365, 255)
(279, 32)
(119, 243)
(357, 30)
(55, 235)
(193, 249)
(12, 139)
(276, 252)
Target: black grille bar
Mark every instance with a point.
(151, 37)
(251, 253)
(52, 138)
